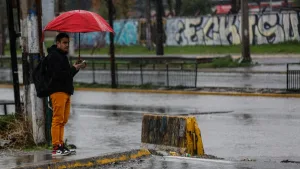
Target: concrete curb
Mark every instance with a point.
(190, 92)
(93, 161)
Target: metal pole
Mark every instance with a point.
(287, 76)
(93, 67)
(5, 109)
(141, 69)
(112, 46)
(245, 32)
(160, 31)
(14, 63)
(167, 66)
(79, 47)
(196, 75)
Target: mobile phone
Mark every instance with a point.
(83, 64)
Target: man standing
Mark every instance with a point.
(60, 89)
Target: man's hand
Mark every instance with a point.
(80, 64)
(77, 66)
(83, 65)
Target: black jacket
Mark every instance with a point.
(60, 71)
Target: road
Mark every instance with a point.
(234, 128)
(267, 76)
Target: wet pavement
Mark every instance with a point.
(256, 58)
(157, 162)
(235, 128)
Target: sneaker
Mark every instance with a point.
(66, 149)
(60, 151)
(56, 151)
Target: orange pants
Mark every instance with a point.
(61, 110)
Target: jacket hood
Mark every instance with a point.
(54, 48)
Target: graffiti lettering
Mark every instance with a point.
(225, 30)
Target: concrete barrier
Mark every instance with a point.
(172, 133)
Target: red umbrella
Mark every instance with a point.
(78, 21)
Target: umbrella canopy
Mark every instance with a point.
(78, 21)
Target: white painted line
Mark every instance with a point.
(199, 159)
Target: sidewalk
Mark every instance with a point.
(44, 159)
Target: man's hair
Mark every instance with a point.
(60, 36)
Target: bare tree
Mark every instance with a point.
(170, 5)
(125, 7)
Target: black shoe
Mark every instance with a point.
(65, 148)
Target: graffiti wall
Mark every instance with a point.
(126, 32)
(90, 40)
(225, 30)
(205, 30)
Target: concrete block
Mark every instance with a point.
(172, 133)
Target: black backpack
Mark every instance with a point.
(41, 78)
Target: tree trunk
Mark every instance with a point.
(148, 23)
(170, 5)
(286, 3)
(2, 27)
(178, 7)
(96, 6)
(235, 6)
(1, 35)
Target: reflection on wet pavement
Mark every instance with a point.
(134, 109)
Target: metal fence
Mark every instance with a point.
(141, 72)
(173, 72)
(132, 71)
(293, 77)
(6, 107)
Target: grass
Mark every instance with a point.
(30, 148)
(224, 62)
(281, 48)
(5, 121)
